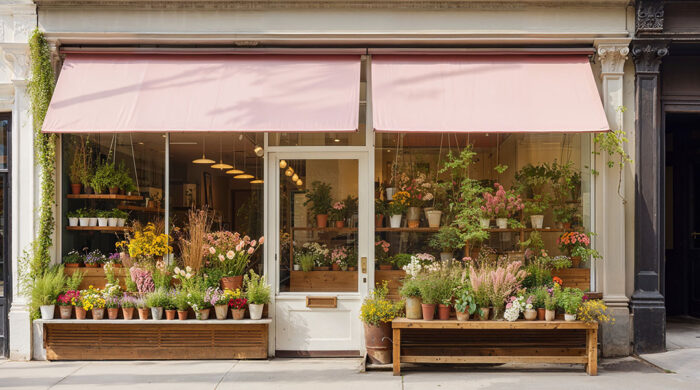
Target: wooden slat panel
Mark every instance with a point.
(323, 281)
(575, 277)
(493, 359)
(454, 324)
(96, 276)
(393, 279)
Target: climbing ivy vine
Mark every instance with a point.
(613, 144)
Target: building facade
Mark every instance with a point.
(371, 32)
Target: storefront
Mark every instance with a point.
(352, 120)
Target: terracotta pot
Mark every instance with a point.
(237, 314)
(335, 267)
(231, 282)
(204, 314)
(113, 190)
(530, 314)
(170, 314)
(379, 220)
(80, 313)
(66, 312)
(112, 313)
(128, 313)
(72, 265)
(567, 225)
(549, 315)
(182, 315)
(413, 309)
(91, 265)
(463, 316)
(256, 311)
(351, 269)
(484, 313)
(76, 188)
(540, 313)
(221, 311)
(98, 314)
(386, 267)
(321, 220)
(323, 268)
(443, 312)
(339, 224)
(143, 313)
(378, 343)
(428, 311)
(575, 261)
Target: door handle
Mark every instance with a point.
(363, 265)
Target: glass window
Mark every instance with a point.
(4, 131)
(319, 224)
(3, 227)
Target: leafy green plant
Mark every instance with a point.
(180, 300)
(537, 205)
(123, 179)
(47, 287)
(73, 257)
(540, 294)
(531, 179)
(570, 299)
(534, 242)
(158, 298)
(256, 288)
(447, 239)
(105, 177)
(613, 144)
(410, 288)
(435, 287)
(319, 196)
(465, 301)
(306, 261)
(400, 260)
(73, 281)
(116, 213)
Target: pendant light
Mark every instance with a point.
(300, 183)
(221, 164)
(204, 159)
(295, 177)
(283, 164)
(256, 180)
(233, 170)
(244, 175)
(289, 172)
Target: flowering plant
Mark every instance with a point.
(115, 258)
(594, 310)
(340, 256)
(95, 257)
(230, 252)
(91, 299)
(577, 244)
(185, 276)
(502, 204)
(399, 203)
(517, 305)
(112, 302)
(338, 211)
(69, 298)
(112, 290)
(319, 252)
(419, 189)
(146, 244)
(237, 303)
(378, 309)
(212, 297)
(73, 257)
(381, 252)
(143, 279)
(128, 301)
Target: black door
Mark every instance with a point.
(5, 273)
(682, 271)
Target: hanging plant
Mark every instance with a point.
(613, 144)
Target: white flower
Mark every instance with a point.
(188, 269)
(188, 275)
(230, 255)
(512, 313)
(212, 250)
(176, 270)
(221, 257)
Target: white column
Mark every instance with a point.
(610, 205)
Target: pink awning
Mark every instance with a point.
(158, 93)
(483, 93)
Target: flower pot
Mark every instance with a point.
(112, 222)
(204, 314)
(237, 314)
(182, 315)
(91, 265)
(47, 311)
(537, 221)
(321, 220)
(351, 269)
(113, 190)
(485, 223)
(378, 343)
(101, 221)
(569, 317)
(463, 316)
(378, 220)
(98, 313)
(170, 314)
(297, 267)
(221, 311)
(413, 309)
(76, 188)
(549, 315)
(443, 312)
(84, 221)
(386, 267)
(575, 261)
(322, 268)
(143, 313)
(413, 217)
(72, 221)
(425, 211)
(445, 256)
(339, 224)
(157, 313)
(112, 313)
(566, 225)
(433, 217)
(530, 314)
(502, 223)
(231, 282)
(255, 311)
(395, 221)
(89, 190)
(72, 265)
(128, 313)
(80, 313)
(92, 221)
(121, 222)
(541, 313)
(428, 311)
(66, 312)
(335, 267)
(484, 313)
(390, 191)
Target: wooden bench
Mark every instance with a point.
(155, 339)
(451, 341)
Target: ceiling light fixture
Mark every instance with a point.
(221, 164)
(295, 177)
(289, 172)
(257, 181)
(300, 183)
(234, 171)
(204, 159)
(283, 164)
(258, 150)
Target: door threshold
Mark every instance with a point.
(318, 354)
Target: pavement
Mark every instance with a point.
(682, 357)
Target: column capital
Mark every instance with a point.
(650, 16)
(612, 54)
(16, 56)
(648, 54)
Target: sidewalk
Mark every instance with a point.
(327, 374)
(683, 344)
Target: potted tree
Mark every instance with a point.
(376, 313)
(447, 240)
(319, 196)
(258, 294)
(535, 208)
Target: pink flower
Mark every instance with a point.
(252, 243)
(212, 250)
(221, 258)
(261, 240)
(251, 250)
(230, 255)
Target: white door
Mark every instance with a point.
(317, 305)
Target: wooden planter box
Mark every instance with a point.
(96, 276)
(575, 277)
(323, 281)
(151, 339)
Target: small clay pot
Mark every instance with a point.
(428, 311)
(113, 190)
(484, 314)
(463, 316)
(204, 314)
(379, 220)
(443, 312)
(143, 313)
(221, 311)
(540, 313)
(170, 314)
(98, 314)
(335, 267)
(351, 269)
(321, 220)
(340, 224)
(237, 314)
(76, 188)
(128, 313)
(182, 315)
(72, 265)
(66, 312)
(386, 267)
(112, 313)
(80, 313)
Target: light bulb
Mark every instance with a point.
(300, 183)
(258, 150)
(295, 177)
(283, 164)
(289, 171)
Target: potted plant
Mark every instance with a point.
(46, 289)
(221, 299)
(594, 310)
(401, 260)
(339, 258)
(337, 214)
(352, 260)
(123, 179)
(380, 208)
(376, 313)
(112, 305)
(128, 303)
(381, 255)
(79, 171)
(92, 299)
(319, 196)
(501, 205)
(465, 304)
(532, 179)
(529, 311)
(237, 303)
(66, 301)
(231, 253)
(83, 217)
(102, 216)
(307, 261)
(569, 300)
(92, 217)
(447, 240)
(430, 286)
(396, 208)
(156, 301)
(540, 296)
(566, 215)
(181, 304)
(410, 291)
(72, 218)
(142, 309)
(577, 246)
(535, 208)
(73, 259)
(105, 178)
(169, 307)
(118, 218)
(550, 307)
(257, 292)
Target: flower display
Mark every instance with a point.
(319, 252)
(381, 251)
(594, 310)
(378, 309)
(340, 256)
(94, 257)
(515, 306)
(69, 298)
(147, 244)
(577, 244)
(418, 189)
(143, 279)
(91, 299)
(338, 211)
(230, 252)
(502, 204)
